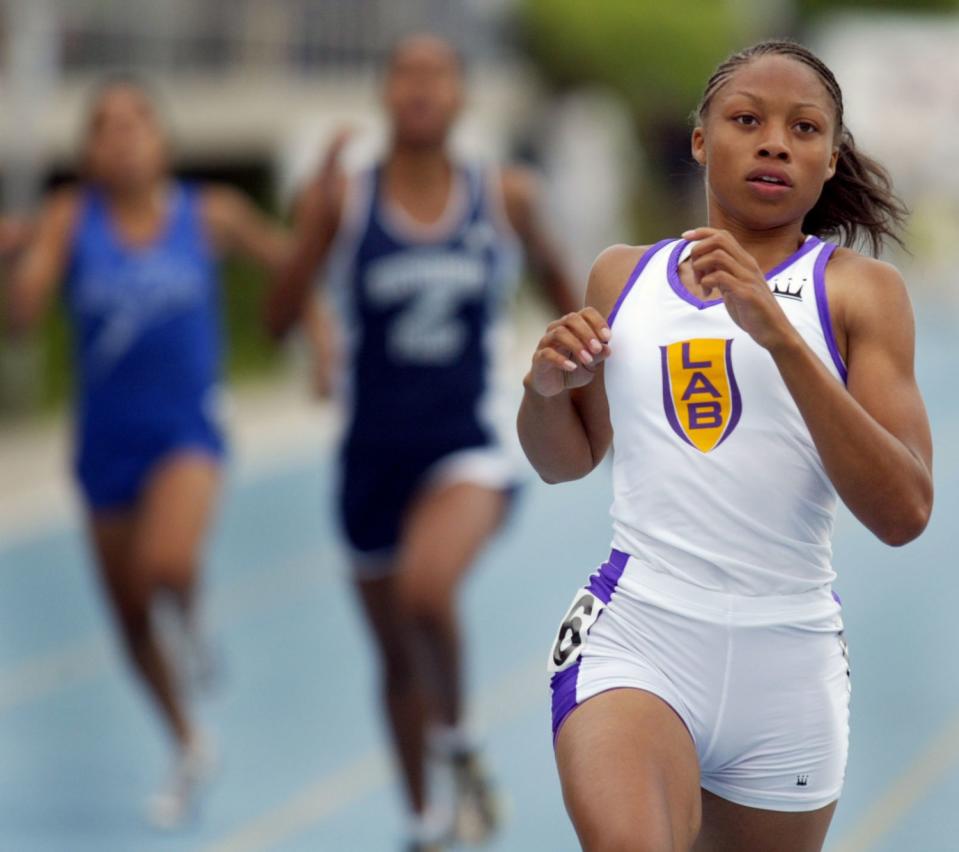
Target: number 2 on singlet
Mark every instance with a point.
(428, 330)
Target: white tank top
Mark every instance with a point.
(716, 479)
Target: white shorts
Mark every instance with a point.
(765, 700)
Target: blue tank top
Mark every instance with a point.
(145, 319)
(420, 306)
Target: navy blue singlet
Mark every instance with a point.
(420, 306)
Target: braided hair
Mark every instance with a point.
(858, 203)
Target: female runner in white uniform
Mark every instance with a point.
(747, 375)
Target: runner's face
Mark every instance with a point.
(125, 147)
(424, 91)
(768, 142)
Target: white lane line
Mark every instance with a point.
(85, 659)
(524, 686)
(310, 806)
(939, 757)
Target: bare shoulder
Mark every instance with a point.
(609, 274)
(862, 287)
(62, 207)
(848, 265)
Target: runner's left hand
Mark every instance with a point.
(720, 262)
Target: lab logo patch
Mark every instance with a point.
(700, 394)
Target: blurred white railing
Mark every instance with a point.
(286, 36)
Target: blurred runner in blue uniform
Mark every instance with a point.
(135, 254)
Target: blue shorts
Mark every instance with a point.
(379, 485)
(114, 460)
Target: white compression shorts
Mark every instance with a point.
(765, 699)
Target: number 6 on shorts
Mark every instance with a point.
(580, 617)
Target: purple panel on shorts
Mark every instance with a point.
(836, 598)
(563, 687)
(603, 582)
(563, 684)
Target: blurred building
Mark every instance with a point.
(253, 89)
(256, 87)
(243, 81)
(900, 79)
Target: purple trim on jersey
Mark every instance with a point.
(736, 408)
(563, 687)
(672, 272)
(603, 583)
(804, 249)
(836, 598)
(637, 271)
(822, 305)
(668, 406)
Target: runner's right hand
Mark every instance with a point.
(568, 354)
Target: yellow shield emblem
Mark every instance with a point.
(700, 394)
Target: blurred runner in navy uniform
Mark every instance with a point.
(420, 256)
